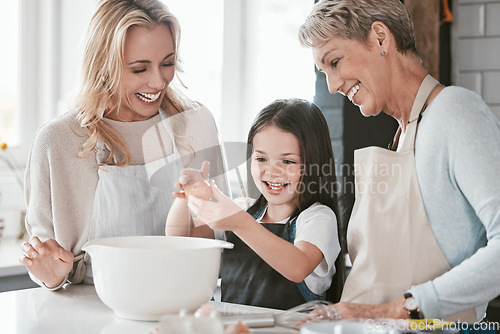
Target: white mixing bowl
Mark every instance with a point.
(145, 277)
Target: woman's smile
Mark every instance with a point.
(353, 91)
(350, 67)
(148, 98)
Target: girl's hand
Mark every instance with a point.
(193, 182)
(220, 215)
(48, 261)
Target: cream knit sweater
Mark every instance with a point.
(60, 186)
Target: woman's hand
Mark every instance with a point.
(237, 328)
(219, 215)
(48, 261)
(192, 181)
(394, 310)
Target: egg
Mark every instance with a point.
(200, 189)
(206, 310)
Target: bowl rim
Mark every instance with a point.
(104, 242)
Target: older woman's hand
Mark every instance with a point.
(394, 309)
(238, 328)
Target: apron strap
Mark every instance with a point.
(153, 167)
(424, 91)
(102, 151)
(168, 127)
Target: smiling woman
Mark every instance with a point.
(441, 207)
(149, 60)
(89, 171)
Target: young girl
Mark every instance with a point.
(286, 243)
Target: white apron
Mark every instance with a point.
(389, 239)
(126, 203)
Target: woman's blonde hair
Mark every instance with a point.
(352, 19)
(103, 63)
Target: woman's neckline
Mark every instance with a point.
(152, 119)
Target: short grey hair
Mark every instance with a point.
(352, 19)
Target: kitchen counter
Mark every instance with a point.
(13, 275)
(10, 250)
(78, 309)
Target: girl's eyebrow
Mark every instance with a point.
(147, 61)
(283, 154)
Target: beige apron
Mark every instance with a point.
(389, 239)
(126, 202)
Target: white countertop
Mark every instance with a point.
(78, 309)
(10, 251)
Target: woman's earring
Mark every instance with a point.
(383, 53)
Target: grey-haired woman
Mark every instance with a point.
(424, 235)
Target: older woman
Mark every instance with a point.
(424, 235)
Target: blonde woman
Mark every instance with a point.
(108, 167)
(424, 234)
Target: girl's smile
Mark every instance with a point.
(274, 187)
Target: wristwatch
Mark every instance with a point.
(411, 306)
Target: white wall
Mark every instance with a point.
(74, 17)
(51, 32)
(476, 48)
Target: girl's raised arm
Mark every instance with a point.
(179, 220)
(293, 261)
